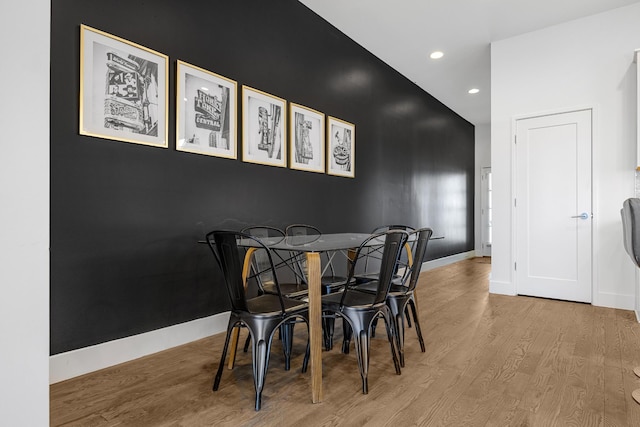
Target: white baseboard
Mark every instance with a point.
(502, 288)
(440, 262)
(622, 302)
(84, 360)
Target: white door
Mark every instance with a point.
(486, 211)
(553, 206)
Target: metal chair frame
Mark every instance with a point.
(262, 315)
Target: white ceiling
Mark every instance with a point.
(403, 33)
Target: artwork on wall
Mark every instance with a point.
(123, 89)
(341, 142)
(306, 130)
(263, 128)
(205, 112)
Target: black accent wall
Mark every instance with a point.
(126, 218)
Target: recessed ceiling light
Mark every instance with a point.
(474, 90)
(436, 55)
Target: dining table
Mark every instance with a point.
(313, 246)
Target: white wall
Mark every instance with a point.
(587, 62)
(24, 213)
(483, 160)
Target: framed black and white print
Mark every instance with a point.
(306, 135)
(205, 112)
(263, 128)
(341, 145)
(123, 90)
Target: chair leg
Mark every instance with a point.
(262, 336)
(389, 323)
(373, 327)
(216, 382)
(260, 363)
(328, 327)
(233, 346)
(417, 323)
(247, 343)
(307, 354)
(398, 326)
(407, 316)
(347, 332)
(361, 338)
(286, 336)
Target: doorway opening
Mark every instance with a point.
(486, 212)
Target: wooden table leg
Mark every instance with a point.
(315, 325)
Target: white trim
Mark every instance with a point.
(502, 288)
(25, 214)
(430, 265)
(84, 360)
(611, 300)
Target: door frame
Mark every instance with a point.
(484, 195)
(595, 299)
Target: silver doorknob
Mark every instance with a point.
(583, 215)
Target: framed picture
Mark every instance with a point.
(123, 90)
(205, 112)
(341, 146)
(306, 130)
(263, 129)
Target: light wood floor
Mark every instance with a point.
(491, 360)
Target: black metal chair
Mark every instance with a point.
(360, 309)
(373, 255)
(371, 267)
(262, 275)
(402, 296)
(261, 315)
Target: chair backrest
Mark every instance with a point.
(384, 228)
(260, 264)
(301, 230)
(275, 235)
(422, 237)
(301, 234)
(393, 240)
(630, 213)
(374, 253)
(227, 251)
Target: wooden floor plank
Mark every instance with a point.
(491, 360)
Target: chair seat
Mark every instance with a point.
(353, 300)
(372, 287)
(301, 290)
(290, 290)
(366, 278)
(268, 305)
